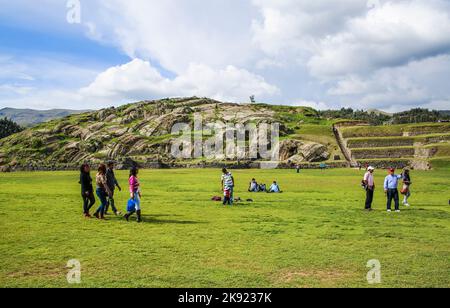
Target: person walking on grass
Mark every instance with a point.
(112, 184)
(228, 184)
(87, 191)
(135, 195)
(406, 191)
(103, 191)
(369, 185)
(391, 190)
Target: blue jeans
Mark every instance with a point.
(392, 194)
(231, 195)
(101, 194)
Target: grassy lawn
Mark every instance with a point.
(313, 235)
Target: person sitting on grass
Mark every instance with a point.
(103, 191)
(263, 188)
(275, 188)
(87, 191)
(254, 187)
(135, 194)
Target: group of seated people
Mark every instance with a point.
(255, 187)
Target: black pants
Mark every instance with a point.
(88, 201)
(369, 198)
(392, 194)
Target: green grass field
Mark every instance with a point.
(313, 235)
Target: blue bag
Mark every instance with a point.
(131, 207)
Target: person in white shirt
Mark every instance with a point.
(275, 188)
(253, 187)
(369, 183)
(228, 183)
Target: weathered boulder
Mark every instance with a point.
(314, 152)
(297, 151)
(289, 148)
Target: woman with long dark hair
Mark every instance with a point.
(103, 191)
(406, 191)
(87, 191)
(135, 194)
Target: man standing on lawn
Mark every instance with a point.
(391, 190)
(228, 183)
(369, 183)
(112, 183)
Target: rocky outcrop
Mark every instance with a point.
(296, 151)
(140, 133)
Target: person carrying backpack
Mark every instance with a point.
(369, 185)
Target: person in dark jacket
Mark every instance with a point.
(112, 184)
(87, 190)
(406, 191)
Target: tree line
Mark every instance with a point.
(8, 128)
(417, 115)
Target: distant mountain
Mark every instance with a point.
(380, 112)
(29, 117)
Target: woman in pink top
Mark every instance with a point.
(135, 194)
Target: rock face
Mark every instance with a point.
(298, 151)
(140, 133)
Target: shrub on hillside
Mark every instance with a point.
(8, 128)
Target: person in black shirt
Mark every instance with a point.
(112, 184)
(87, 191)
(406, 191)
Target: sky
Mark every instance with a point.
(90, 54)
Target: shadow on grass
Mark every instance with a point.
(152, 220)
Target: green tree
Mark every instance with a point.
(8, 128)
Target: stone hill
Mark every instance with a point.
(140, 134)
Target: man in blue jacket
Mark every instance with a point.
(391, 190)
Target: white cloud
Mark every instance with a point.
(294, 25)
(393, 55)
(138, 80)
(175, 33)
(390, 35)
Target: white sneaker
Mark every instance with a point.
(389, 211)
(407, 205)
(397, 211)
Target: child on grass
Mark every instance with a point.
(227, 196)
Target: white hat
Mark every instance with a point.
(371, 168)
